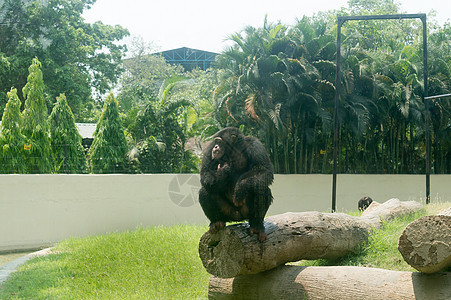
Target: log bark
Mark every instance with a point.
(425, 244)
(296, 282)
(291, 237)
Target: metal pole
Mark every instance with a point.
(337, 94)
(427, 112)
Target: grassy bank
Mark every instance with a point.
(160, 263)
(154, 263)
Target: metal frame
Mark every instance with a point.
(340, 21)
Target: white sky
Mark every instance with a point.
(205, 24)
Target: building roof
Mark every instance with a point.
(189, 58)
(86, 130)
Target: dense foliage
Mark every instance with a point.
(276, 82)
(166, 109)
(279, 84)
(76, 56)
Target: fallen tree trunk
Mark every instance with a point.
(425, 244)
(292, 237)
(296, 282)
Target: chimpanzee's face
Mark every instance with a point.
(218, 149)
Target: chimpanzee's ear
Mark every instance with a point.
(233, 138)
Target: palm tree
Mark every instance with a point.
(269, 84)
(160, 132)
(440, 108)
(277, 84)
(253, 87)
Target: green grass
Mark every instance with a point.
(154, 263)
(162, 263)
(382, 248)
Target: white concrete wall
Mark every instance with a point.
(39, 210)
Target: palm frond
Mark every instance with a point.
(249, 106)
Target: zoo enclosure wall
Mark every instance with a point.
(40, 210)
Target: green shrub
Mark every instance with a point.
(66, 143)
(12, 141)
(35, 126)
(109, 148)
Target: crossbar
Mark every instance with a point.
(437, 96)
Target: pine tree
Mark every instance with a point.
(12, 141)
(36, 129)
(109, 148)
(65, 139)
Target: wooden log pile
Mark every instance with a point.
(244, 268)
(323, 283)
(292, 237)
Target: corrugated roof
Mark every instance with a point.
(86, 130)
(189, 58)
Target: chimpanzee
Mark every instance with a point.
(235, 175)
(364, 203)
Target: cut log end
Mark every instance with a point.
(226, 253)
(425, 244)
(225, 240)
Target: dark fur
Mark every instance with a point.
(235, 185)
(364, 203)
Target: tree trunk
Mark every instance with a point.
(322, 283)
(425, 244)
(292, 237)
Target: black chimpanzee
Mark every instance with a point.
(364, 203)
(235, 175)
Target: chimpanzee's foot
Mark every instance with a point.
(216, 226)
(261, 233)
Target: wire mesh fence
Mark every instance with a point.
(63, 161)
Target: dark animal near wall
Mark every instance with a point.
(364, 203)
(235, 175)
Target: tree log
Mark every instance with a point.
(425, 244)
(296, 282)
(292, 237)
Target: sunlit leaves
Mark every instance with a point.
(77, 57)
